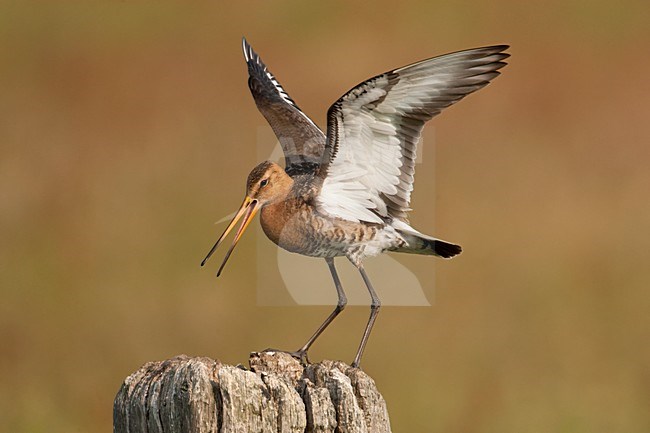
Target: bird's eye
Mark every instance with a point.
(264, 182)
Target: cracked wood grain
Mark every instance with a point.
(275, 394)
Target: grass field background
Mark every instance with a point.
(127, 129)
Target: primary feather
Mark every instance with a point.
(301, 140)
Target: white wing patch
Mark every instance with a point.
(373, 131)
(359, 172)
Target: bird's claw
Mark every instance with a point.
(301, 355)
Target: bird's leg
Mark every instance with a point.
(375, 304)
(342, 302)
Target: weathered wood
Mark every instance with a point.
(276, 394)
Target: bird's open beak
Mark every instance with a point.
(248, 209)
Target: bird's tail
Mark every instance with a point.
(418, 243)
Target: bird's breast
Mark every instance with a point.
(287, 225)
(273, 219)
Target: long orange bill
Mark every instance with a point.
(250, 213)
(248, 209)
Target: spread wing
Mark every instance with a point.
(373, 131)
(300, 138)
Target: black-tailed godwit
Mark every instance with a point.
(347, 193)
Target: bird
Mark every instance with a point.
(346, 192)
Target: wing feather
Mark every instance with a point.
(300, 138)
(368, 165)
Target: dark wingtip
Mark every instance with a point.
(446, 250)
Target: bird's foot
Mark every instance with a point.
(300, 355)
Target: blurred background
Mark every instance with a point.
(127, 129)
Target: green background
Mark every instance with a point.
(127, 128)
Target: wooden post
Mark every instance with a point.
(276, 394)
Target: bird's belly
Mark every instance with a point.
(314, 235)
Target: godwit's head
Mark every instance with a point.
(266, 184)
